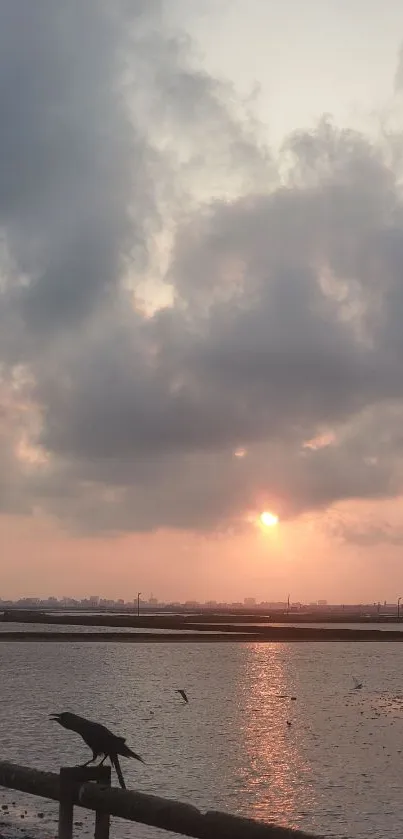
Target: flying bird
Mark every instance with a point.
(183, 695)
(357, 684)
(100, 740)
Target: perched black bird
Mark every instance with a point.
(100, 740)
(183, 695)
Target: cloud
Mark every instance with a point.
(287, 297)
(398, 80)
(72, 164)
(366, 529)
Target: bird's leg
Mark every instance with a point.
(91, 760)
(116, 764)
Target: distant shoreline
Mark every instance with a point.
(272, 635)
(175, 629)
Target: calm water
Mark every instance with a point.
(337, 769)
(11, 626)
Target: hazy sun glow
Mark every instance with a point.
(268, 519)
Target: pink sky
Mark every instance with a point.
(40, 560)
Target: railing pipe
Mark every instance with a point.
(152, 810)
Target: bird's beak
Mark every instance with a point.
(55, 717)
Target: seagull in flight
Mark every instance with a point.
(183, 695)
(357, 684)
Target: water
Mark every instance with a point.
(11, 626)
(14, 626)
(336, 770)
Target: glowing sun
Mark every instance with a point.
(268, 519)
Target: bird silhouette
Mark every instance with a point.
(183, 695)
(357, 684)
(100, 740)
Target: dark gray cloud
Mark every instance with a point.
(73, 168)
(287, 288)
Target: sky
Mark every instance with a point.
(201, 299)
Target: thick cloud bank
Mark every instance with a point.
(125, 171)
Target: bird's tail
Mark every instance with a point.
(126, 752)
(116, 764)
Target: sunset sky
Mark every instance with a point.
(201, 299)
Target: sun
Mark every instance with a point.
(268, 519)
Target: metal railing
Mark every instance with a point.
(74, 786)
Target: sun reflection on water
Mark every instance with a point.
(274, 771)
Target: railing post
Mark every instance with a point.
(70, 779)
(66, 804)
(103, 820)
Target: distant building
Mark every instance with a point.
(322, 602)
(93, 600)
(249, 601)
